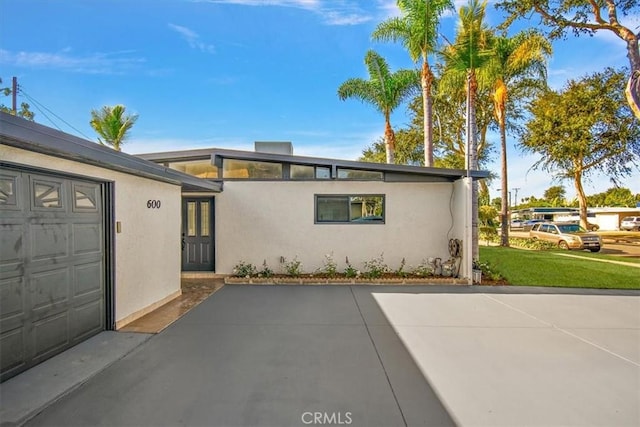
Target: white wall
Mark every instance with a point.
(147, 250)
(258, 221)
(462, 207)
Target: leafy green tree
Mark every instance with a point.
(384, 90)
(615, 196)
(449, 146)
(408, 148)
(487, 215)
(112, 125)
(25, 109)
(531, 202)
(581, 17)
(417, 29)
(555, 195)
(584, 128)
(470, 52)
(518, 61)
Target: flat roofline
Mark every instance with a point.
(216, 154)
(27, 135)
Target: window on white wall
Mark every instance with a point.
(349, 209)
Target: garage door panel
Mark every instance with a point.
(49, 240)
(85, 197)
(12, 299)
(12, 350)
(49, 289)
(87, 279)
(46, 194)
(87, 239)
(11, 244)
(10, 196)
(50, 335)
(87, 320)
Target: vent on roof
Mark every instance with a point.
(274, 147)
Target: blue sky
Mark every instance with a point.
(225, 73)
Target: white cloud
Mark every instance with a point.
(332, 12)
(389, 9)
(94, 63)
(193, 39)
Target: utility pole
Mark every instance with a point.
(515, 199)
(14, 95)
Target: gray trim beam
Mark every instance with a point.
(449, 174)
(31, 136)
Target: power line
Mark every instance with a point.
(42, 112)
(39, 104)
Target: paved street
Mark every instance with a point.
(377, 355)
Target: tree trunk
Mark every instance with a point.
(582, 199)
(427, 105)
(389, 141)
(633, 53)
(500, 101)
(472, 156)
(504, 209)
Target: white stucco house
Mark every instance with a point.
(92, 239)
(275, 204)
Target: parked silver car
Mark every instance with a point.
(566, 236)
(630, 223)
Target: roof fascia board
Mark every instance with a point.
(23, 134)
(177, 156)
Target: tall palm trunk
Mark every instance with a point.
(427, 105)
(389, 140)
(500, 102)
(471, 162)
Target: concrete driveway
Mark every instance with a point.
(375, 355)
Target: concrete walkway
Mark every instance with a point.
(377, 355)
(23, 396)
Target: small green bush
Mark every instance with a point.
(245, 269)
(292, 268)
(265, 271)
(529, 243)
(400, 272)
(488, 271)
(375, 267)
(330, 267)
(350, 271)
(489, 234)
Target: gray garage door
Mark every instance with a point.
(52, 276)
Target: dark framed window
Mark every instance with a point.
(8, 190)
(250, 169)
(309, 172)
(85, 197)
(46, 194)
(360, 174)
(349, 209)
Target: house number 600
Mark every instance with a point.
(153, 204)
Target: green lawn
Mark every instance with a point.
(545, 268)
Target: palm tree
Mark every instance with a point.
(466, 64)
(417, 30)
(384, 90)
(112, 125)
(517, 59)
